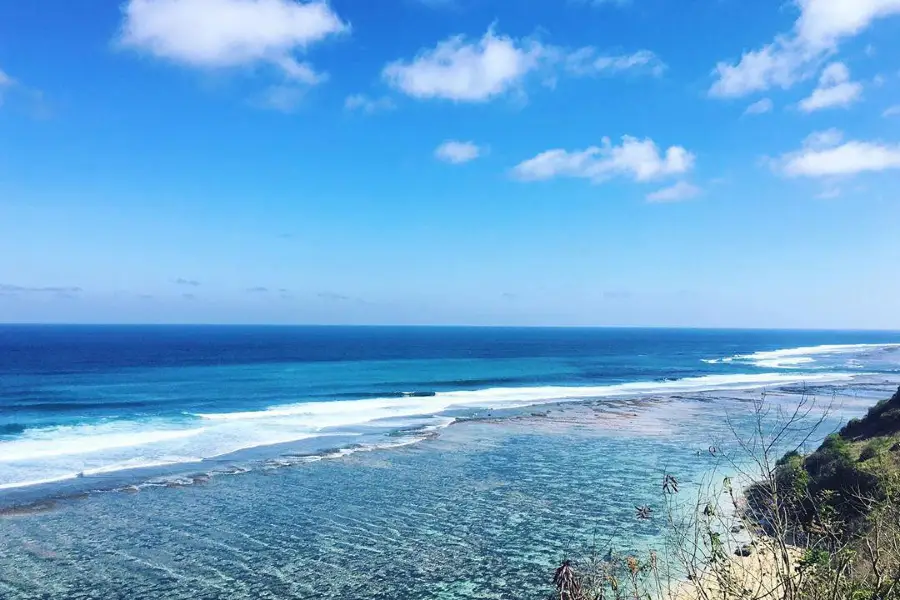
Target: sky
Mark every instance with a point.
(702, 163)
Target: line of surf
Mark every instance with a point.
(58, 454)
(800, 356)
(350, 412)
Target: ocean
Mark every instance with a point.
(368, 462)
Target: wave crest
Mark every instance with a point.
(790, 358)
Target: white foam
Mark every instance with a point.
(61, 453)
(355, 412)
(138, 463)
(34, 482)
(55, 454)
(83, 439)
(793, 357)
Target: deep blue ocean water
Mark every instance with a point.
(229, 462)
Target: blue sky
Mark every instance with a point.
(538, 162)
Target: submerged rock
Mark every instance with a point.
(745, 550)
(25, 510)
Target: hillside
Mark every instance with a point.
(842, 505)
(853, 468)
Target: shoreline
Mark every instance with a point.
(757, 573)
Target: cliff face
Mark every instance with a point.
(850, 472)
(883, 420)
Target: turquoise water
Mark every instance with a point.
(375, 494)
(483, 511)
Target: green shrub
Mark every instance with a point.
(814, 558)
(875, 448)
(787, 458)
(837, 449)
(791, 477)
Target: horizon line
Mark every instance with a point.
(448, 326)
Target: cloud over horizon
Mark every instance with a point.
(14, 289)
(188, 282)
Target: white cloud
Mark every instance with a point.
(819, 29)
(456, 152)
(638, 159)
(231, 33)
(466, 71)
(834, 90)
(367, 105)
(479, 70)
(587, 61)
(825, 22)
(760, 107)
(893, 111)
(823, 155)
(675, 193)
(779, 64)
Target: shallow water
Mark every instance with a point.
(483, 511)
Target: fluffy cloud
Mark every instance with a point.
(823, 155)
(819, 29)
(675, 193)
(457, 152)
(477, 71)
(466, 71)
(834, 90)
(761, 107)
(779, 64)
(892, 111)
(363, 103)
(640, 160)
(825, 22)
(587, 61)
(231, 33)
